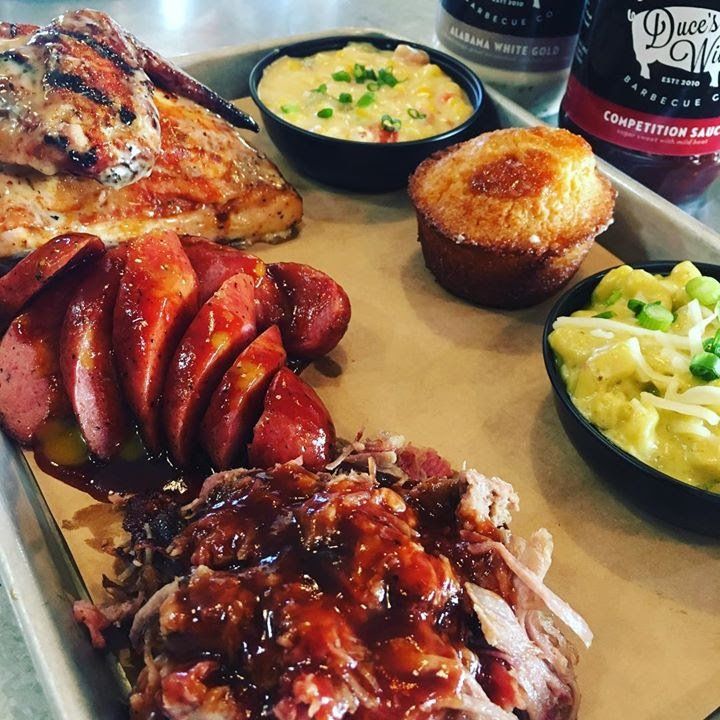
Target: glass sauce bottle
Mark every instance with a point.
(524, 48)
(644, 90)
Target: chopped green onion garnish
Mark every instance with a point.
(342, 76)
(415, 114)
(390, 123)
(712, 344)
(325, 113)
(289, 108)
(614, 296)
(705, 366)
(385, 77)
(373, 86)
(605, 315)
(366, 100)
(361, 74)
(655, 317)
(345, 98)
(635, 305)
(320, 89)
(706, 290)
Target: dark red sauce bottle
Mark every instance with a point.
(645, 91)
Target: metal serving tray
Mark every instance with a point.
(35, 564)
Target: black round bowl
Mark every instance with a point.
(368, 166)
(670, 499)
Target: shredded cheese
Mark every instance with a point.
(637, 384)
(678, 360)
(692, 426)
(646, 372)
(710, 417)
(590, 323)
(695, 334)
(701, 395)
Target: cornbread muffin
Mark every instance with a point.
(506, 218)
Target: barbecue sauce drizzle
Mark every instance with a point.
(298, 584)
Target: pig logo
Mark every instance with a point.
(687, 38)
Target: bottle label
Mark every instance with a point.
(646, 76)
(524, 35)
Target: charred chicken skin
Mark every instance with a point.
(206, 181)
(99, 134)
(76, 96)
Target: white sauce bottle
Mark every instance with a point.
(524, 48)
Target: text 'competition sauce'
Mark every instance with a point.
(645, 90)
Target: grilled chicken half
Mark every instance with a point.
(206, 181)
(76, 96)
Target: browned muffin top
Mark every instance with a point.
(517, 190)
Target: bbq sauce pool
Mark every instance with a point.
(60, 452)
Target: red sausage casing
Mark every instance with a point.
(214, 264)
(31, 387)
(224, 325)
(295, 423)
(157, 299)
(87, 362)
(33, 272)
(320, 309)
(237, 402)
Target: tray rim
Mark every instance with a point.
(41, 578)
(35, 564)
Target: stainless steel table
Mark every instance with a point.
(174, 27)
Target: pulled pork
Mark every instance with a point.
(387, 587)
